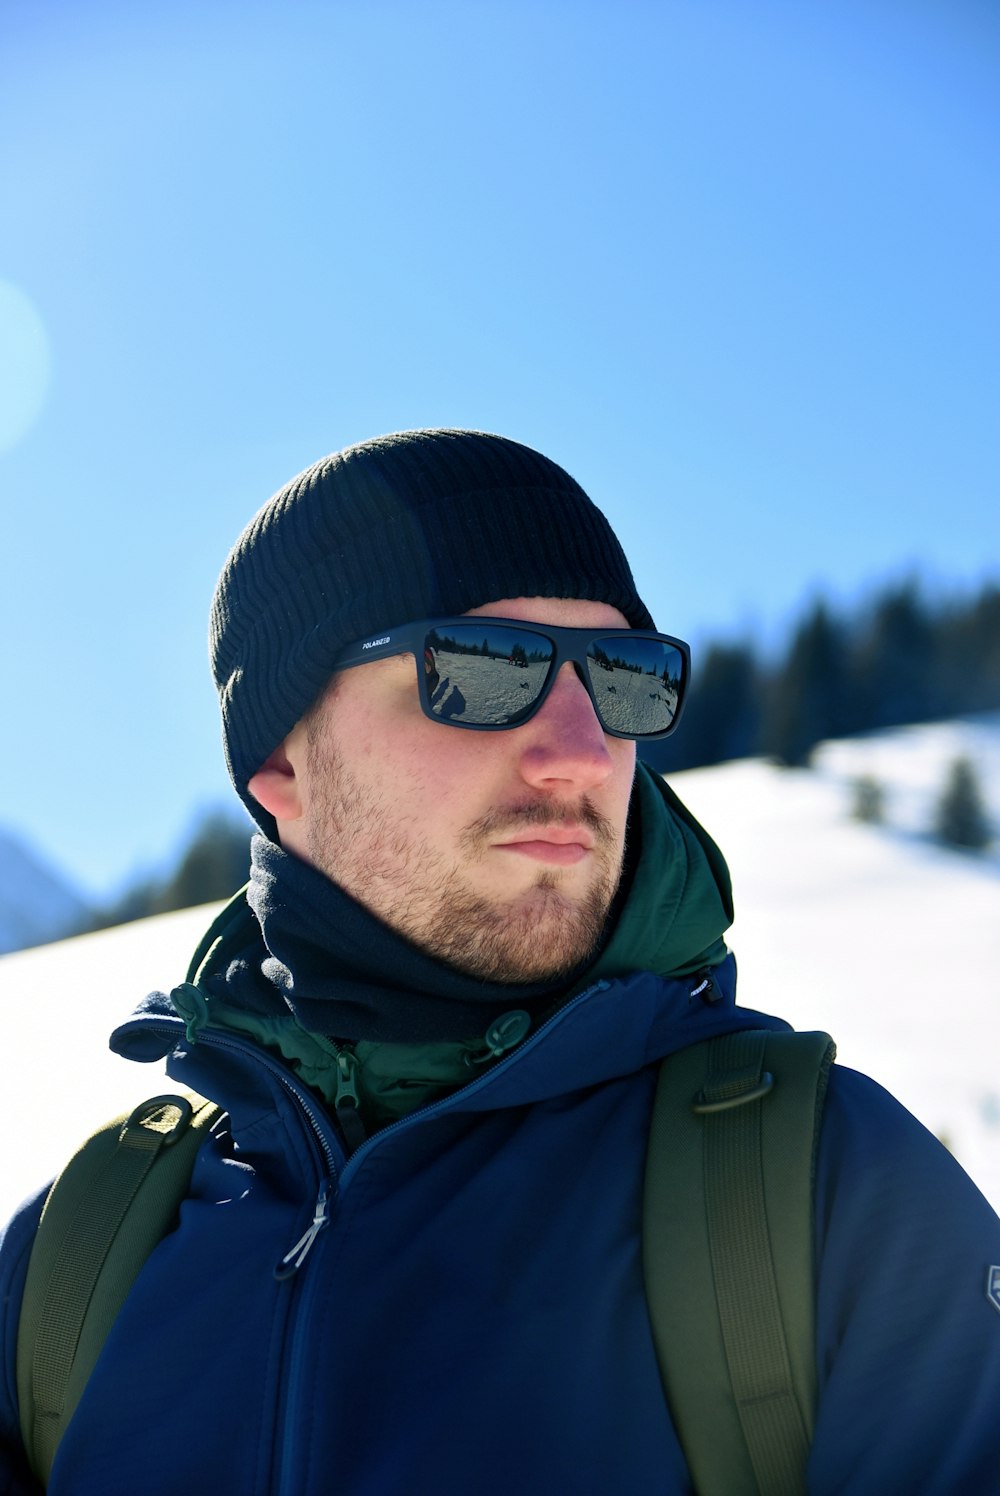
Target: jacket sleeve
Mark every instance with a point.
(908, 1339)
(15, 1249)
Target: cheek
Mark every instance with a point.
(422, 769)
(377, 726)
(450, 760)
(623, 778)
(454, 776)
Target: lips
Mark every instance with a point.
(558, 836)
(559, 845)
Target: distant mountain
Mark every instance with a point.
(37, 903)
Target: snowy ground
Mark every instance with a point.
(59, 1004)
(889, 943)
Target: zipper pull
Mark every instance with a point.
(347, 1102)
(293, 1259)
(706, 988)
(504, 1034)
(507, 1032)
(191, 1004)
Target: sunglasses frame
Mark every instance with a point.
(570, 646)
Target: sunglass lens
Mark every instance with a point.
(484, 674)
(637, 683)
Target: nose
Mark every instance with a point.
(565, 748)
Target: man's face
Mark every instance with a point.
(498, 852)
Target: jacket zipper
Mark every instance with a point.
(293, 1260)
(435, 1108)
(284, 1444)
(296, 1256)
(330, 1186)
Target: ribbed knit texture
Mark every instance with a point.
(414, 525)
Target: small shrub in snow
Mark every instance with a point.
(868, 800)
(960, 818)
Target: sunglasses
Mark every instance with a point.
(494, 673)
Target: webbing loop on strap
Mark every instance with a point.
(708, 1101)
(156, 1123)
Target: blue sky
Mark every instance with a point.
(733, 264)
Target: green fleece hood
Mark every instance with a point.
(681, 899)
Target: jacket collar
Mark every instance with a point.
(610, 1030)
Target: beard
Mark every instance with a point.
(387, 865)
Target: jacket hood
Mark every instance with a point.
(680, 901)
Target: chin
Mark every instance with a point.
(540, 937)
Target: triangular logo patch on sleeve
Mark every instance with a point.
(993, 1287)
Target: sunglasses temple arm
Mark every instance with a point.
(381, 647)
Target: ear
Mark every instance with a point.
(276, 786)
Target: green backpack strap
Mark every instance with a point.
(728, 1254)
(116, 1198)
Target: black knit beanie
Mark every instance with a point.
(415, 525)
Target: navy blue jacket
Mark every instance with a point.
(471, 1318)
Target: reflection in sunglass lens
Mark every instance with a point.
(485, 674)
(636, 683)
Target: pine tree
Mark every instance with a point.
(897, 678)
(807, 699)
(215, 864)
(969, 653)
(960, 818)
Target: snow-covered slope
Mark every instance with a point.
(890, 943)
(58, 1079)
(912, 763)
(874, 934)
(36, 902)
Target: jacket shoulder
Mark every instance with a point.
(904, 1242)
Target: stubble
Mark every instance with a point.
(387, 865)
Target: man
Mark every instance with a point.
(410, 1260)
